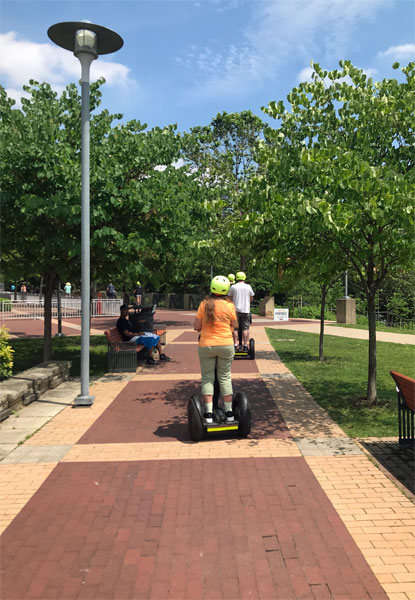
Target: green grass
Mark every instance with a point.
(379, 327)
(339, 383)
(28, 353)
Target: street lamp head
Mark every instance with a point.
(86, 41)
(80, 36)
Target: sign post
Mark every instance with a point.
(281, 314)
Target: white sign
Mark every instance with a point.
(281, 314)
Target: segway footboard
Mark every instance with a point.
(247, 354)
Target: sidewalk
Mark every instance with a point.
(115, 501)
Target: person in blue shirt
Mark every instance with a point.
(111, 291)
(148, 339)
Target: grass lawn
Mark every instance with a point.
(379, 327)
(339, 384)
(28, 353)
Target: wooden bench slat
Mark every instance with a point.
(407, 386)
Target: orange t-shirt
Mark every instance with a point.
(219, 333)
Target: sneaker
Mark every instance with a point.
(245, 349)
(151, 361)
(208, 418)
(229, 417)
(164, 357)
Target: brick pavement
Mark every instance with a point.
(133, 509)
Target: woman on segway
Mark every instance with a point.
(216, 321)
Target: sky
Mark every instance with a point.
(185, 61)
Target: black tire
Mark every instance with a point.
(195, 419)
(252, 349)
(242, 412)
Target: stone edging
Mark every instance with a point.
(27, 386)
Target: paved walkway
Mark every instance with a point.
(115, 501)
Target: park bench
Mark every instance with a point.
(405, 386)
(122, 356)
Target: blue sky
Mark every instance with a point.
(183, 61)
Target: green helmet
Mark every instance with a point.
(138, 283)
(231, 277)
(240, 276)
(220, 285)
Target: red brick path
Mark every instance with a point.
(233, 528)
(239, 528)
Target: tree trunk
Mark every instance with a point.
(323, 307)
(371, 380)
(49, 282)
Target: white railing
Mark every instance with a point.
(105, 308)
(70, 308)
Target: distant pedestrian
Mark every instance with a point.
(68, 288)
(242, 295)
(111, 291)
(12, 287)
(138, 292)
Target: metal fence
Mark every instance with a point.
(70, 308)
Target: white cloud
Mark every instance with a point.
(22, 60)
(277, 31)
(403, 52)
(305, 75)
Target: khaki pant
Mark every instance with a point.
(219, 357)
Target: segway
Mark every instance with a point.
(250, 353)
(199, 429)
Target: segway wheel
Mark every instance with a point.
(252, 349)
(242, 412)
(195, 419)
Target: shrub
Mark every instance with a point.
(6, 354)
(311, 312)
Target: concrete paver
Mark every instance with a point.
(115, 501)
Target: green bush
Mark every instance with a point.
(6, 354)
(311, 312)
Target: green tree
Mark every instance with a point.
(141, 206)
(342, 160)
(221, 155)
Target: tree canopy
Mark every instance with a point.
(340, 165)
(142, 207)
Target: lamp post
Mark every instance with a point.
(87, 41)
(346, 285)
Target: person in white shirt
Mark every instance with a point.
(242, 294)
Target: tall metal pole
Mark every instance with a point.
(346, 282)
(84, 398)
(58, 297)
(86, 40)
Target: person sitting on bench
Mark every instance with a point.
(145, 338)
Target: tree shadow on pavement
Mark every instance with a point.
(266, 419)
